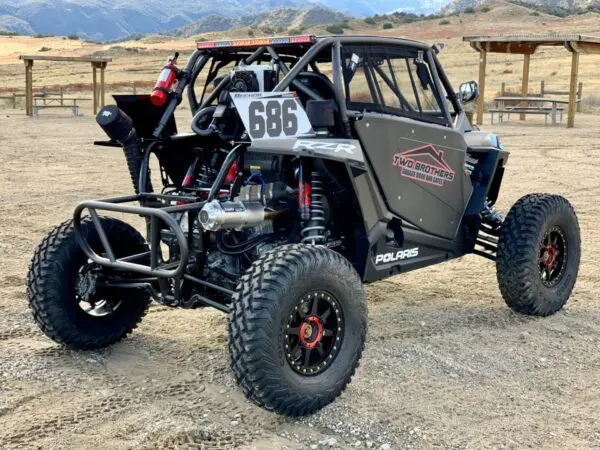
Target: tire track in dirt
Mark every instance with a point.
(187, 395)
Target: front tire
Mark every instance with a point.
(59, 270)
(297, 328)
(538, 254)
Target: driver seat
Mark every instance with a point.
(318, 83)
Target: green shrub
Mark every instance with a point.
(388, 26)
(335, 29)
(44, 49)
(469, 11)
(370, 21)
(534, 13)
(444, 22)
(294, 31)
(73, 37)
(486, 9)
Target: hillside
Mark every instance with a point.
(277, 21)
(561, 8)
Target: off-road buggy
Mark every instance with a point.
(315, 165)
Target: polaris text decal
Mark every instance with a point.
(426, 164)
(398, 256)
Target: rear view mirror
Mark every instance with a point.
(468, 91)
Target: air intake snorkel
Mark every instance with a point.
(119, 128)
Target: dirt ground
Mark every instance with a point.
(447, 364)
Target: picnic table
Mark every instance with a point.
(44, 102)
(549, 107)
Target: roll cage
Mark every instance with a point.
(294, 57)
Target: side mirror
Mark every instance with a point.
(468, 91)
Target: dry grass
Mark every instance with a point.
(140, 61)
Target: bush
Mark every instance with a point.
(44, 49)
(294, 31)
(370, 21)
(486, 9)
(469, 11)
(73, 37)
(8, 33)
(335, 29)
(444, 22)
(251, 33)
(387, 26)
(534, 13)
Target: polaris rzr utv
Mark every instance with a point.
(315, 165)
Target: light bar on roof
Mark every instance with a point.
(258, 42)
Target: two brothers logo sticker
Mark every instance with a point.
(426, 164)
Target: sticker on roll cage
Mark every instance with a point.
(272, 115)
(425, 164)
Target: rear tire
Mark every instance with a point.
(51, 287)
(287, 354)
(538, 254)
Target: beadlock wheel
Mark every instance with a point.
(313, 333)
(297, 328)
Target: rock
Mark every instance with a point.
(329, 442)
(385, 447)
(235, 422)
(369, 444)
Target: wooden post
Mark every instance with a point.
(61, 96)
(28, 87)
(573, 89)
(542, 88)
(481, 99)
(580, 96)
(102, 67)
(525, 83)
(95, 88)
(503, 89)
(14, 100)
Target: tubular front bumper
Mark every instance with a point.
(156, 215)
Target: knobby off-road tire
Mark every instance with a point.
(274, 307)
(538, 254)
(51, 288)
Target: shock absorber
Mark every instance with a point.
(314, 231)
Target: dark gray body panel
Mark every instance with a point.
(420, 168)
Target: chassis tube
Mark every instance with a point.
(216, 187)
(438, 86)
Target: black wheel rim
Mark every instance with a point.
(552, 256)
(313, 333)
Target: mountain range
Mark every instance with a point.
(113, 19)
(105, 20)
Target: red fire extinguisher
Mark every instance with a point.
(163, 86)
